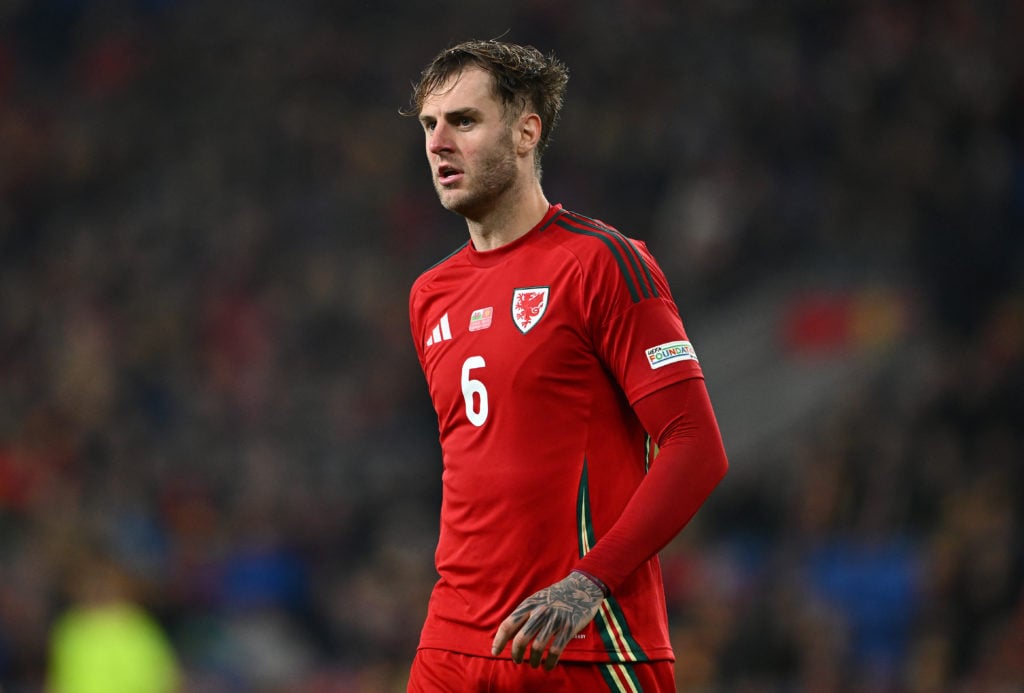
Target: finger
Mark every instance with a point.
(558, 645)
(557, 635)
(540, 643)
(507, 630)
(518, 648)
(526, 634)
(547, 628)
(536, 653)
(552, 659)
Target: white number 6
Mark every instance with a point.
(476, 415)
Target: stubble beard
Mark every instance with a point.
(495, 175)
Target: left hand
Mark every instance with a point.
(550, 617)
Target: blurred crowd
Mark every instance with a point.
(210, 216)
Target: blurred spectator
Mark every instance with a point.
(104, 641)
(210, 214)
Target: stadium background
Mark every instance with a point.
(210, 215)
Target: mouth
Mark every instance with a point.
(447, 175)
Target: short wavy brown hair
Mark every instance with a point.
(523, 78)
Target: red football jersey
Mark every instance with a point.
(533, 353)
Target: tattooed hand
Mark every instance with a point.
(551, 617)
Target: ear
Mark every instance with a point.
(528, 133)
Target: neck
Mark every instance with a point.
(519, 210)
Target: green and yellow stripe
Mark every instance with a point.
(610, 620)
(621, 678)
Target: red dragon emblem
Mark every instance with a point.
(528, 306)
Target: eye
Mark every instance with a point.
(465, 121)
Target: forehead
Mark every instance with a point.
(470, 88)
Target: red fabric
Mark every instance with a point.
(532, 354)
(691, 461)
(440, 671)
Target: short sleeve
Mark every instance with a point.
(638, 333)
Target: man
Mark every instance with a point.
(552, 348)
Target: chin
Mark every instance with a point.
(456, 203)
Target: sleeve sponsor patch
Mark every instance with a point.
(670, 352)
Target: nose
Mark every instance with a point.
(438, 141)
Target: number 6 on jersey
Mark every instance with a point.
(478, 414)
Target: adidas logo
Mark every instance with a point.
(441, 332)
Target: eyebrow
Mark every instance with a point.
(454, 114)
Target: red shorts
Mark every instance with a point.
(441, 671)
